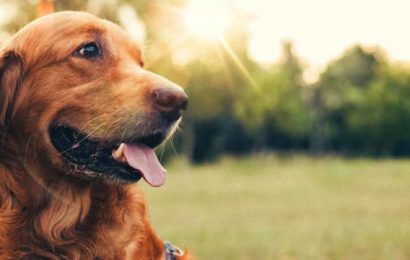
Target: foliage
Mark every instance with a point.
(340, 90)
(360, 104)
(383, 114)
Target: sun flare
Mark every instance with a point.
(207, 19)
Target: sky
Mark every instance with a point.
(322, 29)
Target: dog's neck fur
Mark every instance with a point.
(59, 216)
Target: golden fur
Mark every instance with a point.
(44, 211)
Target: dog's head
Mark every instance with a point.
(76, 84)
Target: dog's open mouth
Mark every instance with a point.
(125, 161)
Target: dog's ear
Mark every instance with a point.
(10, 74)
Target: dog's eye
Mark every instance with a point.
(89, 50)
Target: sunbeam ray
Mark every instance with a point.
(239, 63)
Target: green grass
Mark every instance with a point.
(266, 207)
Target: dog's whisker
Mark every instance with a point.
(113, 130)
(172, 146)
(90, 121)
(84, 138)
(91, 132)
(95, 118)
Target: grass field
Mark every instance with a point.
(266, 207)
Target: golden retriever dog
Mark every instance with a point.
(79, 121)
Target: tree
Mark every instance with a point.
(381, 121)
(276, 111)
(341, 87)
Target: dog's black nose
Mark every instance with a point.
(170, 101)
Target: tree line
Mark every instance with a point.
(360, 104)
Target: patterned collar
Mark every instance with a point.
(171, 251)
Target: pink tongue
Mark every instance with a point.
(144, 159)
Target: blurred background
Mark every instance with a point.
(297, 137)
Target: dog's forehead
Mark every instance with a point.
(61, 23)
(65, 31)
